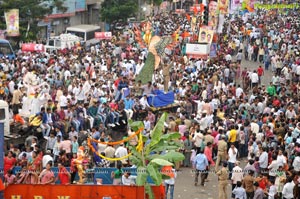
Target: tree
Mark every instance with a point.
(159, 152)
(30, 12)
(112, 10)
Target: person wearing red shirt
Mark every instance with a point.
(262, 181)
(9, 162)
(276, 102)
(260, 73)
(63, 175)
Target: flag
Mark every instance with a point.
(188, 17)
(12, 22)
(195, 10)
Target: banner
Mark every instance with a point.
(276, 6)
(69, 4)
(223, 6)
(12, 22)
(197, 50)
(103, 35)
(32, 47)
(80, 5)
(213, 50)
(235, 6)
(39, 191)
(212, 14)
(205, 35)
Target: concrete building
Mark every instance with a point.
(78, 12)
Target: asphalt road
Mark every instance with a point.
(184, 185)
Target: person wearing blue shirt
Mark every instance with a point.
(46, 128)
(239, 192)
(128, 102)
(201, 164)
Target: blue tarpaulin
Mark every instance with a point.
(160, 99)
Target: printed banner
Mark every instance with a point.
(80, 5)
(103, 35)
(12, 22)
(32, 47)
(235, 6)
(205, 35)
(223, 6)
(213, 15)
(276, 6)
(213, 50)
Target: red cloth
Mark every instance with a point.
(208, 154)
(63, 176)
(9, 163)
(1, 185)
(260, 71)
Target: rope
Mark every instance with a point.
(138, 147)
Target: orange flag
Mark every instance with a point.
(195, 10)
(188, 17)
(201, 8)
(2, 187)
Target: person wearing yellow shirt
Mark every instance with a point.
(232, 138)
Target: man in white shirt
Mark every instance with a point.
(263, 160)
(239, 91)
(237, 176)
(128, 179)
(63, 101)
(121, 152)
(288, 189)
(281, 159)
(296, 162)
(232, 154)
(169, 183)
(144, 102)
(254, 79)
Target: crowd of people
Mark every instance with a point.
(225, 111)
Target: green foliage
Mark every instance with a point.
(30, 11)
(155, 2)
(147, 71)
(150, 159)
(112, 10)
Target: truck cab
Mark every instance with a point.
(64, 41)
(53, 44)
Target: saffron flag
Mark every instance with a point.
(12, 22)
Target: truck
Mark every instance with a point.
(63, 41)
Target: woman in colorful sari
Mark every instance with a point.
(47, 176)
(34, 168)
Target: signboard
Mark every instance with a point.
(32, 47)
(80, 5)
(37, 191)
(103, 35)
(12, 22)
(69, 4)
(197, 50)
(213, 50)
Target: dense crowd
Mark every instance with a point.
(225, 113)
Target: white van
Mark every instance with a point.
(4, 117)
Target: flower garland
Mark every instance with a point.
(121, 141)
(139, 147)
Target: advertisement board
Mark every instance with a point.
(32, 47)
(103, 35)
(197, 50)
(23, 191)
